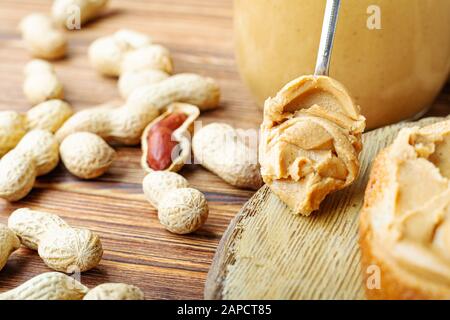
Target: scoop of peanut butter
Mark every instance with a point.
(310, 142)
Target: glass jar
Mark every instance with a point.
(393, 56)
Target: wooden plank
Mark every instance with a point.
(269, 253)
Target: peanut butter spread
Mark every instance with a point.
(411, 217)
(310, 142)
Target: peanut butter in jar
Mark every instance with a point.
(393, 56)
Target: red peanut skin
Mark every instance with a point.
(159, 141)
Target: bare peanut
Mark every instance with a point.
(60, 246)
(41, 83)
(155, 57)
(42, 147)
(42, 38)
(144, 66)
(74, 13)
(47, 286)
(58, 286)
(12, 129)
(221, 149)
(18, 174)
(107, 53)
(86, 155)
(35, 155)
(130, 55)
(126, 124)
(133, 57)
(183, 210)
(8, 244)
(130, 81)
(190, 88)
(114, 291)
(157, 184)
(49, 115)
(42, 222)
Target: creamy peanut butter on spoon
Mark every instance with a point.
(311, 133)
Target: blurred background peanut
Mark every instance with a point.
(41, 83)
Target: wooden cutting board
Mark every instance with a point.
(268, 253)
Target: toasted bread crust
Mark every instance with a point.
(394, 284)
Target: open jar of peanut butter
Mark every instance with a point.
(393, 56)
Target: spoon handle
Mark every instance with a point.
(327, 37)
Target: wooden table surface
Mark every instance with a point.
(137, 249)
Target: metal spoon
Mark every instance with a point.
(327, 37)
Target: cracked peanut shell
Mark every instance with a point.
(181, 135)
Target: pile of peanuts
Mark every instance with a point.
(62, 248)
(158, 111)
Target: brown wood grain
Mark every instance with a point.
(137, 249)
